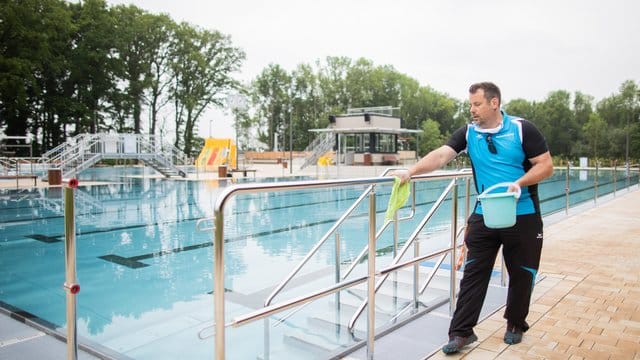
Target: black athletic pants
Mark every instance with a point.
(522, 245)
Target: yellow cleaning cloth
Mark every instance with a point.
(399, 195)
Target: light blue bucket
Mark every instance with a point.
(499, 209)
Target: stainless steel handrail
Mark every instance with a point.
(228, 193)
(317, 246)
(218, 261)
(406, 247)
(363, 252)
(330, 232)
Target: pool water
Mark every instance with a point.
(146, 270)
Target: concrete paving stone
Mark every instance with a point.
(587, 344)
(599, 339)
(575, 357)
(546, 353)
(611, 349)
(534, 332)
(513, 353)
(635, 324)
(596, 330)
(628, 346)
(589, 353)
(483, 354)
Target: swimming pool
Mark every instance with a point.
(146, 272)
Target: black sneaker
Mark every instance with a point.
(513, 335)
(458, 342)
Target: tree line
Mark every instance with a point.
(574, 125)
(71, 68)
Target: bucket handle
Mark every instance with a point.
(502, 184)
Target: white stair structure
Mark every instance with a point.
(319, 146)
(84, 150)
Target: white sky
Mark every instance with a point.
(527, 47)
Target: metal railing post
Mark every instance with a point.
(416, 274)
(337, 274)
(371, 278)
(454, 245)
(595, 185)
(71, 286)
(218, 284)
(567, 191)
(395, 234)
(628, 173)
(615, 177)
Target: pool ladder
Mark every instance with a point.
(341, 284)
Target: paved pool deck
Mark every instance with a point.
(587, 306)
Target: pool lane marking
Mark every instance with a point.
(134, 262)
(45, 238)
(58, 238)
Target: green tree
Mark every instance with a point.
(556, 121)
(133, 42)
(271, 93)
(522, 108)
(161, 35)
(358, 83)
(306, 111)
(202, 64)
(431, 137)
(92, 64)
(595, 131)
(332, 81)
(35, 38)
(411, 108)
(630, 98)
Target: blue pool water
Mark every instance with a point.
(146, 272)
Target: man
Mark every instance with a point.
(502, 148)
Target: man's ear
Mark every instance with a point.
(494, 103)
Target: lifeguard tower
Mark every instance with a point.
(362, 136)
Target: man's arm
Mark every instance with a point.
(542, 168)
(432, 161)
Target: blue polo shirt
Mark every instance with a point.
(516, 141)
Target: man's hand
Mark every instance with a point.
(403, 174)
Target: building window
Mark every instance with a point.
(370, 142)
(384, 143)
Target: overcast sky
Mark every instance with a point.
(529, 47)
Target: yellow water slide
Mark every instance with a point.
(216, 152)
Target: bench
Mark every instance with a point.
(271, 157)
(244, 171)
(21, 176)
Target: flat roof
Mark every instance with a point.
(366, 130)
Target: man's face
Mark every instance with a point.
(482, 110)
